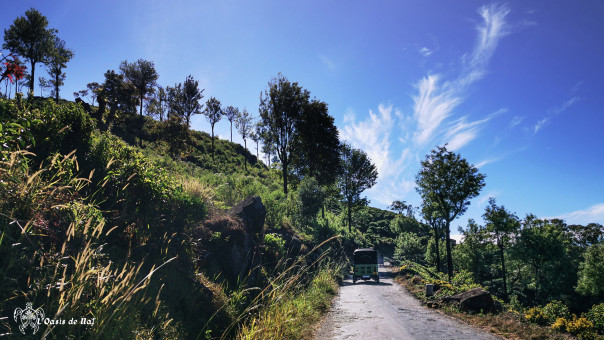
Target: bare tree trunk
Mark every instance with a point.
(449, 258)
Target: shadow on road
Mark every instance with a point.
(348, 282)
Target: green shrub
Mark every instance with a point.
(581, 327)
(535, 315)
(560, 325)
(596, 316)
(555, 310)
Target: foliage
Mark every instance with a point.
(448, 182)
(554, 310)
(535, 315)
(142, 75)
(410, 247)
(591, 271)
(281, 106)
(243, 122)
(309, 200)
(358, 174)
(30, 38)
(231, 113)
(596, 316)
(59, 56)
(213, 113)
(581, 327)
(316, 144)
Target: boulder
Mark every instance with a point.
(251, 212)
(475, 300)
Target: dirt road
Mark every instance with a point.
(385, 310)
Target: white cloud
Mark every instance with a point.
(461, 132)
(555, 111)
(433, 118)
(373, 136)
(435, 102)
(426, 52)
(593, 214)
(516, 121)
(328, 62)
(540, 124)
(432, 106)
(490, 31)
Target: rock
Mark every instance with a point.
(251, 212)
(475, 300)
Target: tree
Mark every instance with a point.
(44, 84)
(142, 75)
(591, 272)
(231, 113)
(432, 217)
(309, 201)
(118, 95)
(541, 245)
(280, 108)
(191, 95)
(243, 123)
(213, 113)
(57, 61)
(401, 207)
(450, 182)
(158, 103)
(94, 88)
(30, 38)
(316, 144)
(254, 136)
(474, 254)
(502, 224)
(358, 174)
(409, 247)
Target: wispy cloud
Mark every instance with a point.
(433, 105)
(436, 101)
(373, 136)
(516, 121)
(433, 120)
(426, 52)
(555, 111)
(492, 28)
(593, 214)
(328, 62)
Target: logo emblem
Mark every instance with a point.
(29, 317)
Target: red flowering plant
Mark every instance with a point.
(12, 69)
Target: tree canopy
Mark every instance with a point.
(213, 114)
(57, 61)
(30, 38)
(358, 174)
(142, 75)
(449, 182)
(280, 107)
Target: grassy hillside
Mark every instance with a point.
(94, 226)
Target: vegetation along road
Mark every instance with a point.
(385, 310)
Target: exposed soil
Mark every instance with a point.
(385, 310)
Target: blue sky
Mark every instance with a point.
(514, 87)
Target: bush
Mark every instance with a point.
(560, 325)
(555, 310)
(535, 315)
(581, 327)
(596, 317)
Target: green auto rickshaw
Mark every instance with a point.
(365, 265)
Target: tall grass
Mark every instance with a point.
(295, 298)
(65, 270)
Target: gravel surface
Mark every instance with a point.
(385, 310)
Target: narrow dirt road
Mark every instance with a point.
(385, 310)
